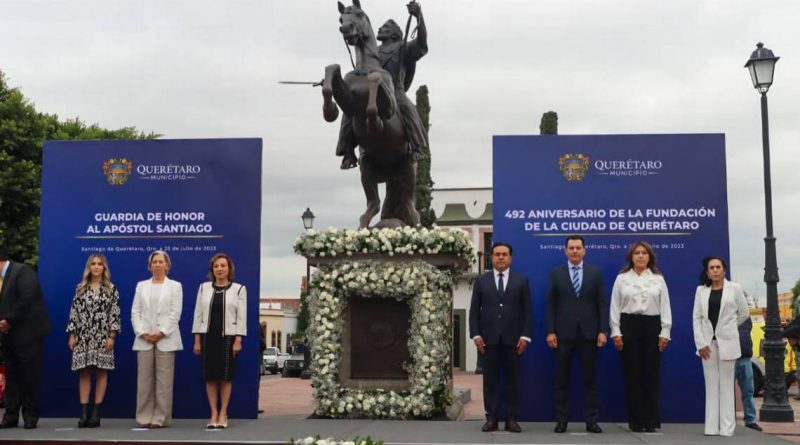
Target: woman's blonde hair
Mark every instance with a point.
(166, 259)
(105, 279)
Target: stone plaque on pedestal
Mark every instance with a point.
(375, 344)
(378, 338)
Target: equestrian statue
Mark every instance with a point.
(378, 115)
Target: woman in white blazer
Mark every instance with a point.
(220, 322)
(719, 309)
(155, 315)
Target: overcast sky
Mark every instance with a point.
(209, 69)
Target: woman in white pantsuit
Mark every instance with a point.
(156, 311)
(719, 309)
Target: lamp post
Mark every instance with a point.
(308, 223)
(776, 405)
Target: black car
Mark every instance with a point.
(297, 362)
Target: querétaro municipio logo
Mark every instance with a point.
(573, 166)
(117, 170)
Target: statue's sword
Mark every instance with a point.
(294, 82)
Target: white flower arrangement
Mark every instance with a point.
(427, 291)
(411, 241)
(317, 440)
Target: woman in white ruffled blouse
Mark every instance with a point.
(640, 323)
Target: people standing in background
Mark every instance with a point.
(23, 327)
(94, 323)
(220, 323)
(155, 314)
(641, 320)
(744, 374)
(719, 309)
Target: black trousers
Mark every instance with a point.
(499, 358)
(641, 363)
(587, 350)
(23, 376)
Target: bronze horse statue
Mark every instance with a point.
(367, 95)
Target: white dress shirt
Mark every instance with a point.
(497, 278)
(641, 294)
(572, 267)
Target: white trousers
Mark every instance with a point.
(154, 387)
(720, 404)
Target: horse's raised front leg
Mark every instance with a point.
(370, 183)
(373, 123)
(329, 109)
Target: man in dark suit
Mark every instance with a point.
(23, 325)
(577, 317)
(500, 325)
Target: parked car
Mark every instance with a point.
(297, 362)
(273, 361)
(757, 334)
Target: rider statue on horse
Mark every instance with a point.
(378, 116)
(399, 58)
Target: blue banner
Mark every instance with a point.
(125, 199)
(668, 190)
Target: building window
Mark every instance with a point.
(487, 250)
(274, 340)
(280, 347)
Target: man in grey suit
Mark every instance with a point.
(23, 326)
(500, 325)
(577, 317)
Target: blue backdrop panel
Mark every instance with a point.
(669, 190)
(191, 198)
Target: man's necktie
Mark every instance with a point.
(576, 280)
(500, 288)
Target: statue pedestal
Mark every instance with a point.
(380, 320)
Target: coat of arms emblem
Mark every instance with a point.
(117, 170)
(573, 166)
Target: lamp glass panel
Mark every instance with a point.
(764, 71)
(752, 69)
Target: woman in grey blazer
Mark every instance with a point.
(719, 309)
(155, 314)
(220, 322)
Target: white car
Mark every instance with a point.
(273, 360)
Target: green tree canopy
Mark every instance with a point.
(23, 131)
(549, 123)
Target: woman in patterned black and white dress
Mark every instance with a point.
(94, 323)
(220, 322)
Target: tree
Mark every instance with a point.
(23, 131)
(549, 123)
(796, 300)
(424, 181)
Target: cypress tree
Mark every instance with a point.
(424, 181)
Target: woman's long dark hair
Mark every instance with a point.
(651, 262)
(704, 280)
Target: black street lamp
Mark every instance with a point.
(308, 223)
(776, 404)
